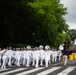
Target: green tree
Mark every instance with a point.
(67, 40)
(32, 22)
(49, 14)
(72, 33)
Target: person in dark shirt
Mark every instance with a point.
(65, 55)
(65, 52)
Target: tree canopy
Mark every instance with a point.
(72, 34)
(32, 22)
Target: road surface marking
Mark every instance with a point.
(48, 71)
(66, 71)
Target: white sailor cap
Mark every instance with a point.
(28, 47)
(47, 47)
(40, 46)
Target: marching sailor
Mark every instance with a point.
(50, 55)
(18, 56)
(59, 54)
(33, 57)
(56, 54)
(28, 56)
(46, 56)
(24, 56)
(4, 57)
(37, 56)
(41, 54)
(10, 56)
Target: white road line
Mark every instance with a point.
(12, 71)
(48, 71)
(66, 71)
(4, 69)
(30, 71)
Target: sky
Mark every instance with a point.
(71, 16)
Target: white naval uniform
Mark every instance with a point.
(24, 57)
(59, 55)
(37, 56)
(13, 60)
(33, 58)
(50, 55)
(4, 58)
(54, 54)
(47, 58)
(18, 57)
(10, 56)
(28, 57)
(41, 56)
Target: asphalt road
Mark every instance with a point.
(57, 68)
